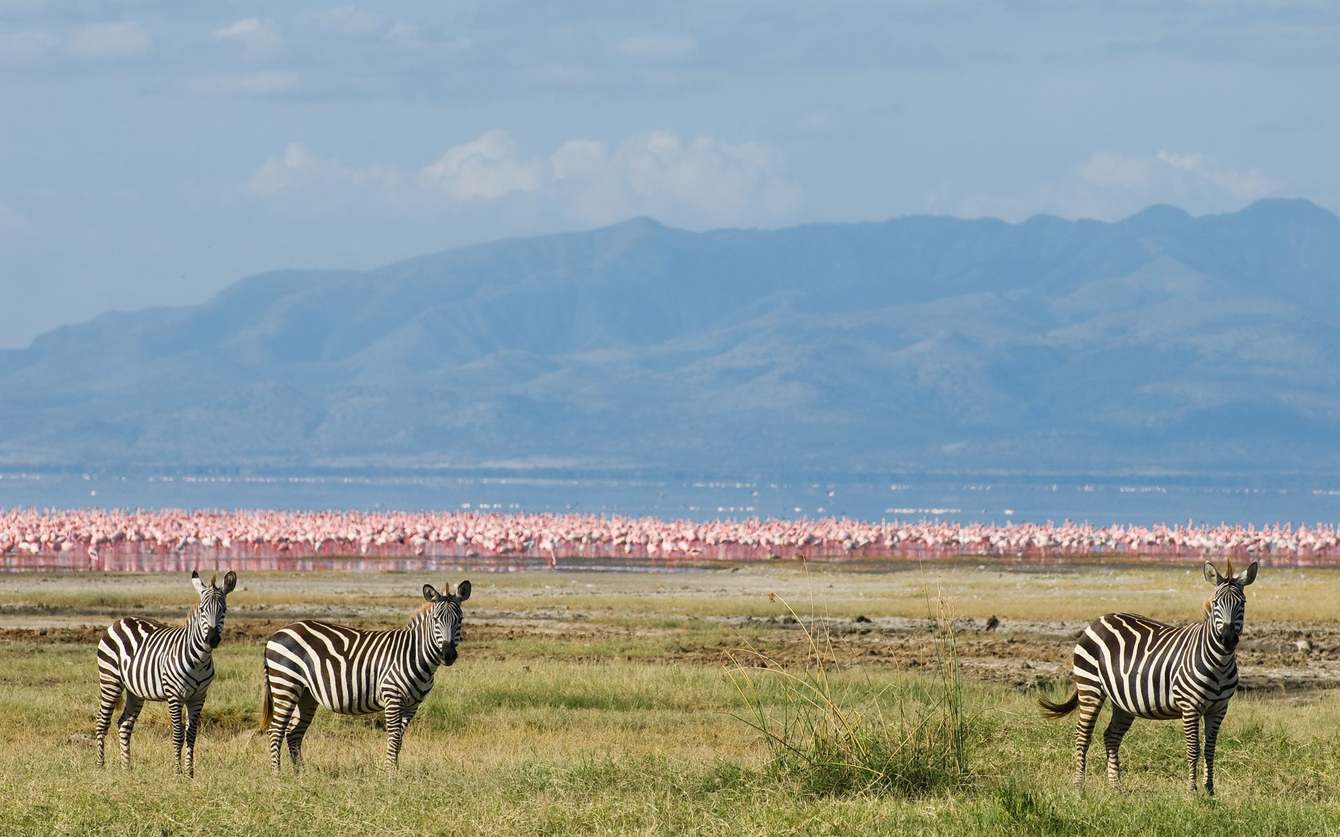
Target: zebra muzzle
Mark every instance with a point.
(214, 637)
(449, 654)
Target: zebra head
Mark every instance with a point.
(213, 605)
(444, 611)
(1228, 607)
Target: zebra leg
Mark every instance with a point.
(178, 729)
(306, 710)
(1212, 722)
(283, 706)
(395, 731)
(1090, 704)
(407, 712)
(109, 692)
(1116, 730)
(193, 708)
(125, 725)
(1191, 730)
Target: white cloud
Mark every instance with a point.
(1105, 168)
(1244, 184)
(579, 159)
(486, 168)
(690, 182)
(703, 181)
(1185, 179)
(25, 47)
(656, 47)
(109, 41)
(268, 83)
(257, 37)
(1110, 185)
(299, 170)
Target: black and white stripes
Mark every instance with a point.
(1161, 672)
(354, 672)
(149, 660)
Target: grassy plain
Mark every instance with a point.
(601, 702)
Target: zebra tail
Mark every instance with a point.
(1059, 710)
(267, 701)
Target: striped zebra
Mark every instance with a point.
(152, 661)
(1161, 672)
(354, 672)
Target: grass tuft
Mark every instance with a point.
(834, 738)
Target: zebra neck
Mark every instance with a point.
(1217, 654)
(426, 652)
(197, 649)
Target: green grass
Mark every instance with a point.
(625, 747)
(546, 734)
(830, 739)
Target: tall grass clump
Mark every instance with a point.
(833, 735)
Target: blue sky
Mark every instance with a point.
(150, 154)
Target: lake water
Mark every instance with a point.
(998, 500)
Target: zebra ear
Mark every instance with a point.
(463, 590)
(1248, 575)
(229, 582)
(197, 583)
(1211, 574)
(429, 594)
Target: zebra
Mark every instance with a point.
(1161, 672)
(151, 661)
(355, 672)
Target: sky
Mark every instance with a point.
(153, 152)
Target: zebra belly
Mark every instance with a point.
(388, 689)
(1161, 708)
(347, 705)
(151, 684)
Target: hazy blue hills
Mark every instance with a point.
(1163, 342)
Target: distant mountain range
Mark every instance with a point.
(1161, 343)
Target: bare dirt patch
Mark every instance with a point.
(1019, 630)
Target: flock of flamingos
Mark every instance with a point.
(105, 539)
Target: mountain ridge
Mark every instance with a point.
(1159, 341)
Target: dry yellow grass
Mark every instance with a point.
(529, 735)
